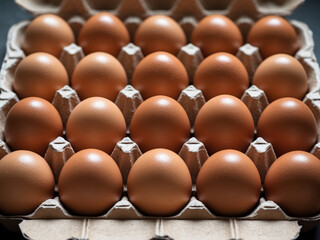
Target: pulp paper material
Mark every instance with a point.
(146, 229)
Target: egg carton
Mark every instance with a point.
(187, 13)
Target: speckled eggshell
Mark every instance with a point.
(217, 33)
(229, 183)
(95, 122)
(32, 124)
(288, 124)
(273, 35)
(47, 33)
(159, 183)
(160, 33)
(26, 181)
(221, 73)
(160, 122)
(99, 75)
(224, 122)
(160, 73)
(293, 182)
(281, 76)
(103, 32)
(90, 183)
(39, 75)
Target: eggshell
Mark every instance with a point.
(217, 33)
(39, 75)
(288, 124)
(160, 33)
(224, 122)
(229, 183)
(103, 32)
(95, 122)
(159, 183)
(221, 73)
(293, 182)
(47, 33)
(160, 122)
(99, 75)
(272, 35)
(160, 73)
(281, 76)
(32, 124)
(90, 183)
(26, 181)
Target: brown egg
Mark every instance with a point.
(32, 124)
(272, 35)
(47, 33)
(288, 124)
(217, 33)
(160, 33)
(95, 123)
(160, 73)
(103, 32)
(281, 76)
(224, 122)
(160, 122)
(39, 75)
(293, 182)
(221, 73)
(229, 183)
(159, 183)
(90, 183)
(99, 75)
(26, 181)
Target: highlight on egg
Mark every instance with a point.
(288, 124)
(95, 122)
(224, 122)
(293, 182)
(39, 75)
(159, 183)
(31, 124)
(160, 122)
(160, 73)
(229, 183)
(90, 183)
(26, 181)
(47, 33)
(99, 74)
(160, 33)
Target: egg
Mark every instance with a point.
(39, 75)
(217, 33)
(160, 73)
(32, 124)
(95, 122)
(159, 183)
(160, 33)
(229, 183)
(99, 75)
(47, 33)
(273, 35)
(293, 182)
(221, 73)
(160, 122)
(90, 183)
(103, 32)
(224, 122)
(26, 181)
(281, 76)
(288, 124)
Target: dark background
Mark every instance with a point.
(10, 14)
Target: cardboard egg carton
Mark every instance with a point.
(52, 221)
